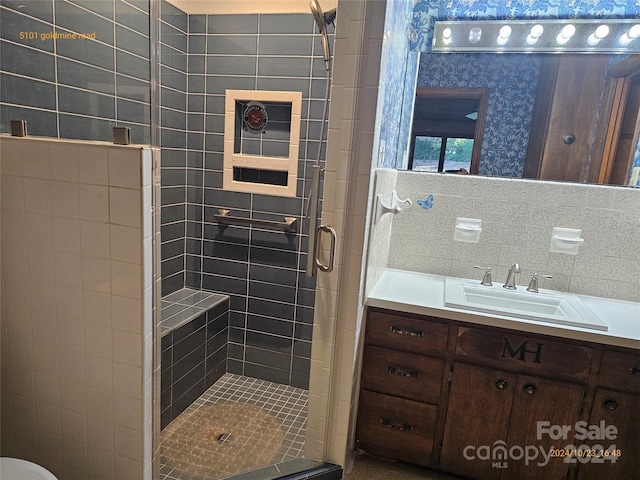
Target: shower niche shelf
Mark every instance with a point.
(261, 141)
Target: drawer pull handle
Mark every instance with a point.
(610, 404)
(408, 333)
(396, 425)
(529, 389)
(402, 372)
(501, 384)
(634, 371)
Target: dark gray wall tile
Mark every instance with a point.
(85, 76)
(72, 18)
(39, 122)
(174, 16)
(129, 16)
(132, 41)
(12, 23)
(41, 65)
(232, 45)
(287, 23)
(27, 92)
(72, 100)
(101, 7)
(42, 9)
(232, 24)
(132, 65)
(85, 128)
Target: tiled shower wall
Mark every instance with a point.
(75, 87)
(517, 221)
(173, 140)
(76, 307)
(263, 272)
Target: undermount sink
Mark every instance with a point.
(546, 306)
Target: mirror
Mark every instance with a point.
(567, 117)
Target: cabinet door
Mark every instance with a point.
(619, 410)
(538, 399)
(477, 417)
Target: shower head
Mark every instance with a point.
(322, 20)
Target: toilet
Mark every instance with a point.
(16, 469)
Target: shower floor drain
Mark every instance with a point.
(225, 437)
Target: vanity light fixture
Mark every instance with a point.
(554, 36)
(503, 35)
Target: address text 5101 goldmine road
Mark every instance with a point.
(44, 36)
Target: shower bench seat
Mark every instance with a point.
(194, 329)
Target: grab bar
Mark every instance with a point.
(289, 225)
(332, 248)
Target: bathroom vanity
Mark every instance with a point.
(493, 397)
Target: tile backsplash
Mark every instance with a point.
(518, 217)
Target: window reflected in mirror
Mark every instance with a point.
(447, 129)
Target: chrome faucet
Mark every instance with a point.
(510, 283)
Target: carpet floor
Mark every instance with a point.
(371, 468)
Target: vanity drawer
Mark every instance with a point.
(401, 374)
(407, 333)
(620, 370)
(395, 427)
(534, 353)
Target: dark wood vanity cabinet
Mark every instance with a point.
(459, 397)
(402, 378)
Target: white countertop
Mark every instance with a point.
(422, 293)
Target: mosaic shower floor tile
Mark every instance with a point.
(238, 425)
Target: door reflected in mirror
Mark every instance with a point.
(566, 117)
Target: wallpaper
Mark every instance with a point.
(393, 72)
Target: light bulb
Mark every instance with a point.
(535, 34)
(446, 36)
(625, 39)
(568, 31)
(634, 32)
(505, 31)
(503, 38)
(601, 32)
(565, 34)
(536, 31)
(475, 34)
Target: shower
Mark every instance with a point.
(322, 20)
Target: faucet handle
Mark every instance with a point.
(533, 284)
(486, 279)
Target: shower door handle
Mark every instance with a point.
(332, 249)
